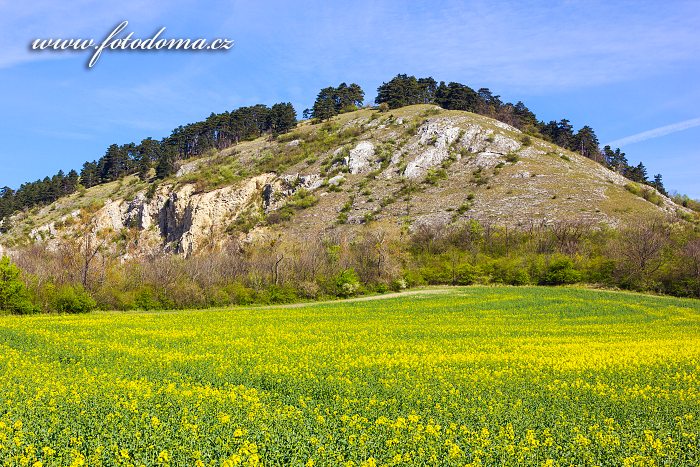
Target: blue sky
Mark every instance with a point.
(629, 69)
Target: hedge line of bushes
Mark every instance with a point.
(656, 256)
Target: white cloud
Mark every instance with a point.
(656, 132)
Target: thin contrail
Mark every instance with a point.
(656, 132)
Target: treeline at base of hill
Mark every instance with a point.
(656, 255)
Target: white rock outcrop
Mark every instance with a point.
(438, 139)
(360, 159)
(436, 136)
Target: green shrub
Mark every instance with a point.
(413, 278)
(342, 218)
(240, 294)
(14, 296)
(434, 176)
(560, 271)
(599, 270)
(436, 273)
(245, 222)
(347, 283)
(379, 288)
(467, 274)
(217, 297)
(146, 299)
(464, 207)
(276, 294)
(652, 196)
(72, 299)
(187, 294)
(512, 157)
(518, 277)
(646, 193)
(302, 199)
(634, 188)
(508, 271)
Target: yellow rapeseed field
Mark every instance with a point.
(476, 376)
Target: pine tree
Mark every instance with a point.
(616, 160)
(348, 98)
(455, 96)
(405, 90)
(659, 185)
(88, 175)
(638, 173)
(72, 181)
(333, 101)
(586, 143)
(489, 104)
(282, 117)
(565, 135)
(165, 165)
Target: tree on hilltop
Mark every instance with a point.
(333, 101)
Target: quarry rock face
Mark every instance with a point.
(184, 219)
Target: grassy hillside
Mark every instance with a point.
(426, 164)
(479, 375)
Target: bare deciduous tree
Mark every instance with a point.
(640, 249)
(568, 235)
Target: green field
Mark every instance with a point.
(478, 375)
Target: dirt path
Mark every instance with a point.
(433, 290)
(420, 291)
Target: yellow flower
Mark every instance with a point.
(454, 451)
(163, 456)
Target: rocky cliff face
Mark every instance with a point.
(178, 219)
(418, 164)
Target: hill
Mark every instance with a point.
(412, 166)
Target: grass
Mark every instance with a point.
(644, 192)
(60, 211)
(499, 376)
